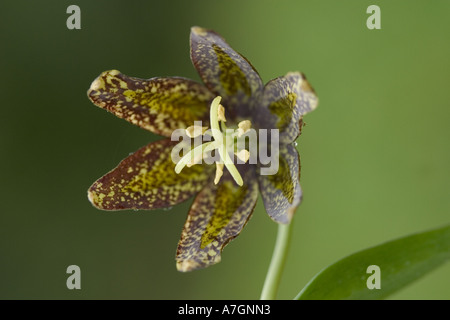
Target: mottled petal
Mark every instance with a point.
(217, 216)
(159, 105)
(283, 103)
(224, 71)
(281, 192)
(147, 180)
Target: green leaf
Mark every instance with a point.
(400, 261)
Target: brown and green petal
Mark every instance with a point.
(281, 192)
(224, 71)
(159, 105)
(284, 102)
(217, 216)
(147, 180)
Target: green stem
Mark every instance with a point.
(276, 266)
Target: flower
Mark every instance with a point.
(233, 92)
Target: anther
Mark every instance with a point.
(243, 155)
(195, 131)
(243, 127)
(221, 113)
(219, 172)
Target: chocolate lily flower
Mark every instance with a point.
(233, 96)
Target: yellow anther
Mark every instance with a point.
(219, 172)
(243, 127)
(195, 131)
(243, 155)
(221, 113)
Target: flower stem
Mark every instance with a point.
(276, 266)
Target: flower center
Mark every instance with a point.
(226, 141)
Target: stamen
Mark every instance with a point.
(231, 167)
(214, 119)
(243, 127)
(223, 143)
(195, 131)
(221, 113)
(217, 134)
(243, 155)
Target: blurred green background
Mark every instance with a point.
(375, 154)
